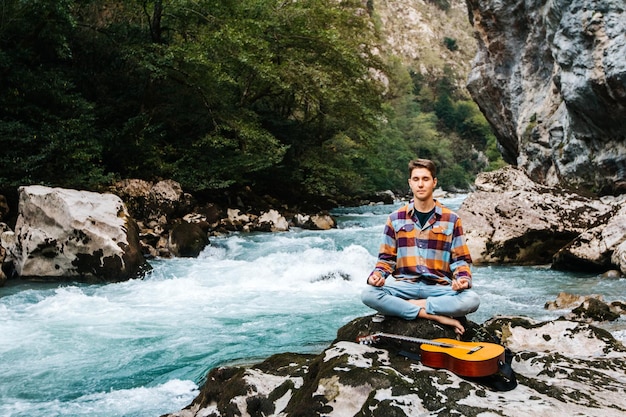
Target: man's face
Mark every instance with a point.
(422, 184)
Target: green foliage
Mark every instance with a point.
(450, 44)
(46, 127)
(281, 96)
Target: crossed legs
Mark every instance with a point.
(411, 300)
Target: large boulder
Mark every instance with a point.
(563, 368)
(550, 78)
(63, 234)
(593, 250)
(512, 219)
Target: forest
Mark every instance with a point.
(287, 98)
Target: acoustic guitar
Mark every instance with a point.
(469, 359)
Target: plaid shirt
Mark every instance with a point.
(434, 254)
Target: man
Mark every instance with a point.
(424, 249)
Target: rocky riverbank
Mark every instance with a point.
(64, 234)
(560, 368)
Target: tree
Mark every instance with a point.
(46, 125)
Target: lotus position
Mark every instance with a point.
(423, 268)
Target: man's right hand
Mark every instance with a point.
(376, 279)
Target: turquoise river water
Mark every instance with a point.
(141, 348)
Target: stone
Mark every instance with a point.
(556, 364)
(320, 221)
(511, 219)
(593, 249)
(619, 257)
(550, 77)
(187, 240)
(147, 201)
(566, 300)
(63, 234)
(272, 221)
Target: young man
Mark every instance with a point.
(424, 249)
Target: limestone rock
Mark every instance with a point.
(586, 308)
(594, 248)
(511, 219)
(550, 78)
(619, 257)
(63, 234)
(318, 221)
(187, 240)
(6, 234)
(555, 362)
(272, 221)
(147, 201)
(566, 300)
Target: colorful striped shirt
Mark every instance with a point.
(434, 253)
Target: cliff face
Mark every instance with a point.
(550, 76)
(416, 32)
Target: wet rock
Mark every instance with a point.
(187, 240)
(587, 308)
(319, 221)
(65, 234)
(556, 363)
(593, 249)
(612, 273)
(594, 310)
(271, 221)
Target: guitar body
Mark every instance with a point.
(470, 359)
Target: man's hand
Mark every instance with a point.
(376, 279)
(460, 284)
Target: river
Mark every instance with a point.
(141, 348)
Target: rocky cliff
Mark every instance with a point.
(550, 76)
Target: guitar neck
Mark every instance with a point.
(414, 339)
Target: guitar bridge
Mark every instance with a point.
(476, 349)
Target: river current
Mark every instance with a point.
(141, 348)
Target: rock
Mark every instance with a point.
(586, 308)
(322, 222)
(594, 310)
(318, 221)
(592, 250)
(4, 239)
(271, 221)
(187, 240)
(63, 234)
(551, 80)
(511, 219)
(555, 362)
(619, 257)
(148, 201)
(612, 273)
(566, 300)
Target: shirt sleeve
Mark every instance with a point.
(460, 259)
(387, 253)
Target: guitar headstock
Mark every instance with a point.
(369, 339)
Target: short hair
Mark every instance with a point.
(423, 163)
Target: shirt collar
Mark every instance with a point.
(438, 206)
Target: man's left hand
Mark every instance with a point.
(460, 284)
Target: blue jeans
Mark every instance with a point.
(390, 299)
